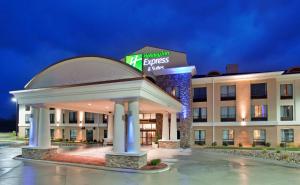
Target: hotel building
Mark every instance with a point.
(156, 95)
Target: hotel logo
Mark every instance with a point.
(135, 61)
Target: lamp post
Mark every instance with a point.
(17, 113)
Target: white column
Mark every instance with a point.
(165, 127)
(110, 127)
(133, 127)
(119, 128)
(44, 128)
(173, 129)
(34, 120)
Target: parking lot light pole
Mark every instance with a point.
(17, 113)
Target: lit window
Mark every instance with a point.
(259, 136)
(259, 112)
(228, 136)
(286, 91)
(27, 118)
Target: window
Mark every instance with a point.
(52, 118)
(259, 137)
(52, 133)
(200, 114)
(89, 117)
(176, 92)
(27, 108)
(73, 117)
(178, 134)
(200, 94)
(259, 113)
(228, 137)
(63, 117)
(228, 92)
(228, 114)
(63, 133)
(27, 131)
(73, 134)
(104, 118)
(200, 137)
(287, 135)
(52, 108)
(27, 118)
(105, 133)
(259, 91)
(286, 113)
(286, 91)
(147, 116)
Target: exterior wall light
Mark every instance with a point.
(243, 123)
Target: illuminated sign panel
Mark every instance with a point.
(151, 61)
(135, 61)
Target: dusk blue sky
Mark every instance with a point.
(257, 35)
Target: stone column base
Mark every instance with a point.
(126, 160)
(169, 144)
(38, 153)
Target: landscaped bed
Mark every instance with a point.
(98, 161)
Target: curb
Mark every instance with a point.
(96, 167)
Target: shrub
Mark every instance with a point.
(225, 144)
(282, 145)
(278, 151)
(264, 151)
(253, 144)
(240, 145)
(268, 144)
(95, 140)
(155, 162)
(214, 144)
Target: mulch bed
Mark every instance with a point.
(77, 159)
(157, 167)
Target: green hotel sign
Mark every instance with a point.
(151, 61)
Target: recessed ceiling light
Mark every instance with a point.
(89, 104)
(106, 107)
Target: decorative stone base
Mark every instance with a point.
(38, 153)
(169, 144)
(126, 160)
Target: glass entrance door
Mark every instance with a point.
(89, 135)
(147, 137)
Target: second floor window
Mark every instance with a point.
(200, 94)
(286, 113)
(27, 118)
(89, 117)
(27, 108)
(200, 114)
(286, 91)
(52, 118)
(72, 117)
(259, 91)
(259, 112)
(228, 113)
(228, 92)
(105, 118)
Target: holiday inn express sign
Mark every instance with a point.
(149, 61)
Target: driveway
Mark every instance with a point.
(197, 168)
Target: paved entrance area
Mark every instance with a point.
(99, 152)
(197, 168)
